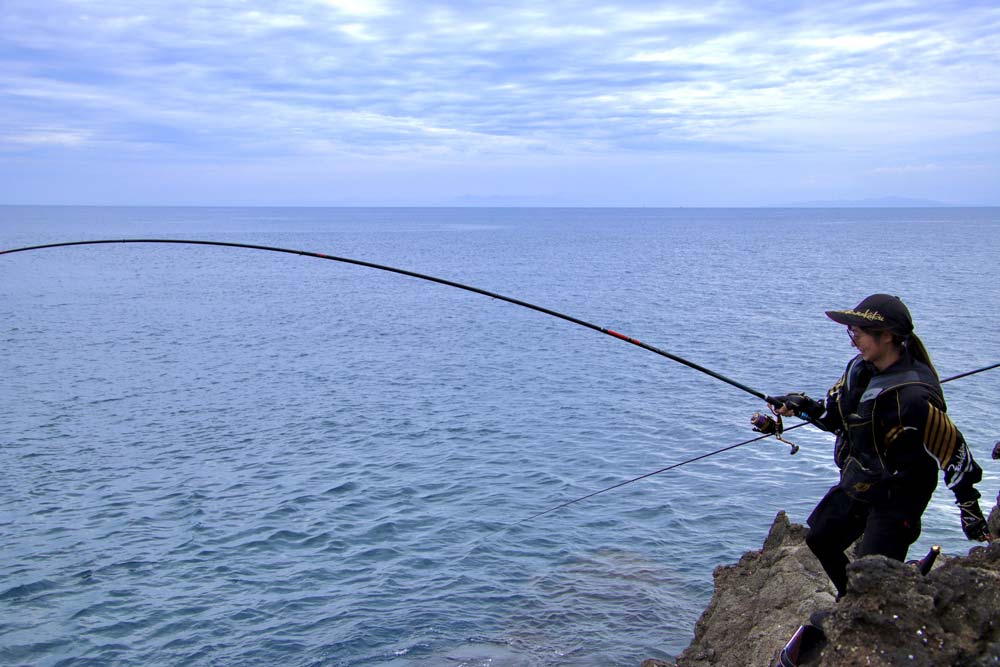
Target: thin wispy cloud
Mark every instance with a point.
(443, 83)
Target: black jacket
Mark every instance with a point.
(893, 434)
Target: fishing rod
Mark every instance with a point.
(767, 434)
(978, 370)
(441, 281)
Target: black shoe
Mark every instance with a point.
(803, 648)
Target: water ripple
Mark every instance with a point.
(200, 474)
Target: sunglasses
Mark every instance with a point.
(855, 334)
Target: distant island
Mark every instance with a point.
(537, 201)
(881, 202)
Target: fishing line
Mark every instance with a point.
(648, 474)
(421, 276)
(696, 458)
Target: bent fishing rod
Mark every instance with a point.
(517, 302)
(700, 457)
(420, 276)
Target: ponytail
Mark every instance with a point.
(919, 352)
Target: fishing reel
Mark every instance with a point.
(768, 425)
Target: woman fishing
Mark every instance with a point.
(888, 413)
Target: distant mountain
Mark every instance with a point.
(501, 201)
(881, 202)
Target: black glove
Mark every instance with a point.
(802, 405)
(973, 524)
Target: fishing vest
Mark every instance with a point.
(860, 452)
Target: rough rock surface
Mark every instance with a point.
(891, 614)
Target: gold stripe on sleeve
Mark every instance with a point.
(941, 436)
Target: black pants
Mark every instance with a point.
(888, 527)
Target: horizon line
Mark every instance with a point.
(804, 205)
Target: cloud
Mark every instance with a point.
(452, 79)
(850, 43)
(359, 7)
(64, 138)
(908, 169)
(256, 20)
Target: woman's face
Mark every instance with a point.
(875, 346)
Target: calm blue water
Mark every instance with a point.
(229, 457)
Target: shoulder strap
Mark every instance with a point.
(885, 382)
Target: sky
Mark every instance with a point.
(556, 103)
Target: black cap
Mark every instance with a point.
(879, 311)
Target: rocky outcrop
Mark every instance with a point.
(891, 615)
(759, 602)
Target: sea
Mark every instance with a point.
(233, 457)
